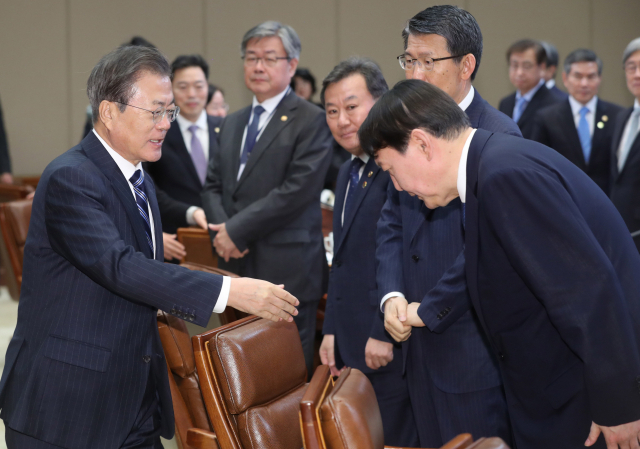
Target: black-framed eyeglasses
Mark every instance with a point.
(269, 61)
(159, 113)
(426, 64)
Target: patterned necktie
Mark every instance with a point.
(631, 136)
(354, 178)
(521, 104)
(584, 134)
(137, 180)
(197, 154)
(252, 135)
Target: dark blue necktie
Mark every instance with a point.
(137, 180)
(252, 135)
(354, 178)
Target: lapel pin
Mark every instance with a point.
(284, 118)
(605, 118)
(216, 129)
(364, 184)
(600, 125)
(370, 174)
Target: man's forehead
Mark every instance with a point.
(268, 44)
(425, 44)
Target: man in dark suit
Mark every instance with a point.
(526, 60)
(354, 334)
(85, 367)
(5, 161)
(625, 162)
(262, 195)
(581, 127)
(551, 269)
(550, 69)
(453, 378)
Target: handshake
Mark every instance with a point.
(400, 317)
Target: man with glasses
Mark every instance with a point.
(453, 377)
(262, 194)
(527, 64)
(85, 367)
(625, 161)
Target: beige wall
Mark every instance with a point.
(48, 48)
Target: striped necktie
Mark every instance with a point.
(137, 180)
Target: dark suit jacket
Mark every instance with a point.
(352, 300)
(555, 127)
(274, 208)
(175, 175)
(542, 98)
(5, 161)
(559, 94)
(553, 275)
(625, 185)
(87, 340)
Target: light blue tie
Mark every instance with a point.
(584, 133)
(521, 104)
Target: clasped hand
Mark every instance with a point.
(223, 244)
(400, 317)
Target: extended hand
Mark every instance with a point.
(173, 249)
(262, 298)
(412, 315)
(395, 317)
(327, 356)
(624, 436)
(200, 218)
(6, 178)
(224, 245)
(378, 353)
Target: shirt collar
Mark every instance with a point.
(576, 105)
(364, 157)
(126, 167)
(636, 105)
(270, 104)
(550, 84)
(464, 104)
(184, 124)
(529, 95)
(462, 168)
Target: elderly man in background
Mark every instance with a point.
(262, 194)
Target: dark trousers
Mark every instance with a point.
(306, 322)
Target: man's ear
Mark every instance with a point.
(423, 141)
(468, 66)
(107, 113)
(293, 65)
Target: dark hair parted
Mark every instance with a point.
(212, 90)
(551, 52)
(411, 104)
(525, 44)
(582, 55)
(306, 75)
(115, 75)
(456, 25)
(370, 71)
(185, 61)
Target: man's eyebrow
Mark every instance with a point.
(351, 97)
(162, 103)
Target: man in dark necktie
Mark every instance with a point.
(262, 194)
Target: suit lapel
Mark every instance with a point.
(214, 128)
(567, 123)
(176, 141)
(621, 125)
(103, 160)
(598, 142)
(338, 206)
(418, 216)
(532, 106)
(157, 223)
(236, 131)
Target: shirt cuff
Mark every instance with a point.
(221, 303)
(192, 210)
(387, 296)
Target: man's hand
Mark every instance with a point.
(6, 178)
(378, 353)
(395, 317)
(327, 356)
(200, 218)
(262, 298)
(224, 245)
(413, 319)
(624, 436)
(173, 249)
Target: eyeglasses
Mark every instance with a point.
(426, 64)
(219, 107)
(270, 61)
(631, 68)
(526, 66)
(159, 113)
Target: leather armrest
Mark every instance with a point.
(201, 439)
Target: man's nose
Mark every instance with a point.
(416, 74)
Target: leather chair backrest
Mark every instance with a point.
(252, 375)
(197, 243)
(13, 192)
(14, 224)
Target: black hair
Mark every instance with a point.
(582, 55)
(370, 71)
(184, 61)
(306, 75)
(525, 44)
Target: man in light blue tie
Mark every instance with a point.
(581, 127)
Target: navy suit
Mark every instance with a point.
(542, 98)
(86, 346)
(353, 313)
(559, 94)
(553, 276)
(453, 378)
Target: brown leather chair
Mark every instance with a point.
(345, 415)
(197, 243)
(252, 376)
(14, 225)
(13, 192)
(230, 314)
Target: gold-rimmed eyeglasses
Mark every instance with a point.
(159, 113)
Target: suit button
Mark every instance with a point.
(192, 317)
(502, 356)
(172, 311)
(439, 316)
(415, 257)
(146, 358)
(444, 312)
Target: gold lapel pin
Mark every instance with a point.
(370, 174)
(605, 118)
(216, 129)
(284, 118)
(364, 184)
(600, 125)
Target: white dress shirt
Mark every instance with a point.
(627, 130)
(591, 115)
(269, 106)
(364, 157)
(550, 84)
(128, 169)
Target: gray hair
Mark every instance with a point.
(633, 47)
(370, 71)
(288, 36)
(582, 55)
(115, 75)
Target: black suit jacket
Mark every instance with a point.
(559, 94)
(5, 161)
(274, 208)
(625, 184)
(175, 175)
(87, 341)
(555, 127)
(553, 276)
(542, 98)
